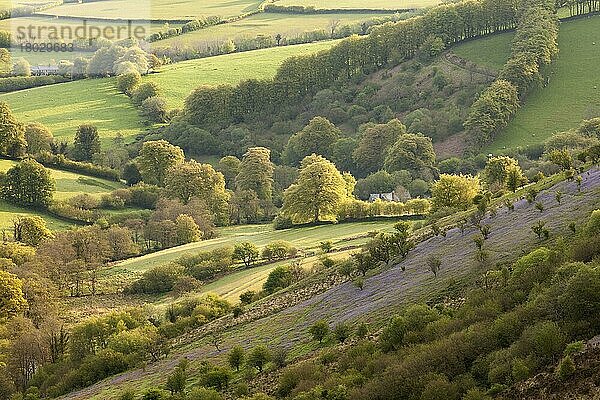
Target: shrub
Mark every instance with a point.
(319, 330)
(278, 279)
(65, 210)
(282, 222)
(144, 195)
(217, 378)
(112, 201)
(341, 332)
(14, 83)
(258, 357)
(565, 369)
(392, 336)
(145, 91)
(278, 250)
(128, 82)
(574, 348)
(84, 201)
(59, 161)
(154, 394)
(204, 394)
(235, 358)
(247, 297)
(160, 279)
(246, 252)
(154, 109)
(177, 380)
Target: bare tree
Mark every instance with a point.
(333, 24)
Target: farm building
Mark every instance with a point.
(44, 70)
(392, 197)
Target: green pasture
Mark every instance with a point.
(572, 94)
(490, 51)
(39, 26)
(63, 107)
(268, 24)
(345, 237)
(357, 4)
(68, 184)
(9, 211)
(157, 9)
(306, 238)
(178, 80)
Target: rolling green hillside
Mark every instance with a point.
(68, 184)
(383, 294)
(65, 106)
(303, 238)
(573, 91)
(490, 51)
(350, 4)
(572, 94)
(156, 9)
(178, 80)
(269, 24)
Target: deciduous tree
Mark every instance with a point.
(374, 144)
(256, 173)
(318, 192)
(454, 191)
(12, 301)
(38, 138)
(12, 133)
(156, 158)
(28, 183)
(316, 137)
(87, 143)
(412, 152)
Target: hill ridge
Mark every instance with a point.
(385, 293)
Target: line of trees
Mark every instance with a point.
(386, 44)
(580, 7)
(534, 46)
(276, 8)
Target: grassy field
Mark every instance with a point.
(384, 294)
(178, 80)
(354, 4)
(9, 211)
(68, 184)
(65, 106)
(345, 238)
(269, 24)
(67, 26)
(307, 238)
(492, 51)
(157, 9)
(8, 4)
(573, 93)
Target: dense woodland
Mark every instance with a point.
(307, 148)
